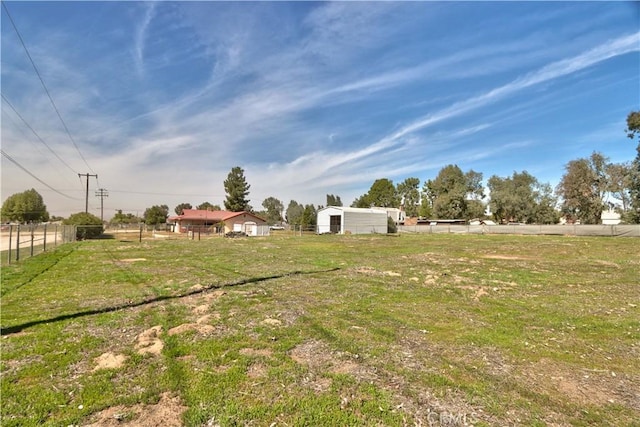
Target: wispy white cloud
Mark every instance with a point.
(141, 37)
(617, 47)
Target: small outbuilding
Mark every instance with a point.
(343, 220)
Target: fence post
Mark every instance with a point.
(55, 236)
(32, 231)
(44, 243)
(140, 238)
(18, 244)
(10, 237)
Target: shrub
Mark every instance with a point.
(391, 225)
(88, 226)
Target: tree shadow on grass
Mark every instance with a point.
(19, 328)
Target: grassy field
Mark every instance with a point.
(324, 330)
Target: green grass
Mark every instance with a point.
(327, 330)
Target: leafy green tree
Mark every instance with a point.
(545, 210)
(309, 217)
(512, 198)
(521, 198)
(620, 179)
(633, 124)
(237, 191)
(206, 206)
(27, 206)
(408, 191)
(583, 187)
(294, 213)
(121, 218)
(333, 200)
(362, 202)
(156, 215)
(381, 194)
(633, 130)
(182, 206)
(88, 226)
(426, 201)
(274, 208)
(454, 194)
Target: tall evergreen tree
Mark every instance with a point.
(333, 200)
(237, 191)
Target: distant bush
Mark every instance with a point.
(391, 225)
(233, 234)
(88, 226)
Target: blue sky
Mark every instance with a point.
(162, 99)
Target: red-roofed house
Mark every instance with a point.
(216, 221)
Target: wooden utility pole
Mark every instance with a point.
(86, 202)
(102, 193)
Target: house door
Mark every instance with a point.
(334, 223)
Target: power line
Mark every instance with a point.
(45, 86)
(4, 98)
(12, 160)
(166, 194)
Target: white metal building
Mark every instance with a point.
(397, 215)
(343, 220)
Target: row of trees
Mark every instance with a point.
(585, 190)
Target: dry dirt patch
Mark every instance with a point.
(109, 361)
(257, 370)
(185, 327)
(373, 272)
(319, 358)
(149, 341)
(167, 413)
(270, 321)
(480, 291)
(582, 386)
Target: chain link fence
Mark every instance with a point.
(24, 241)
